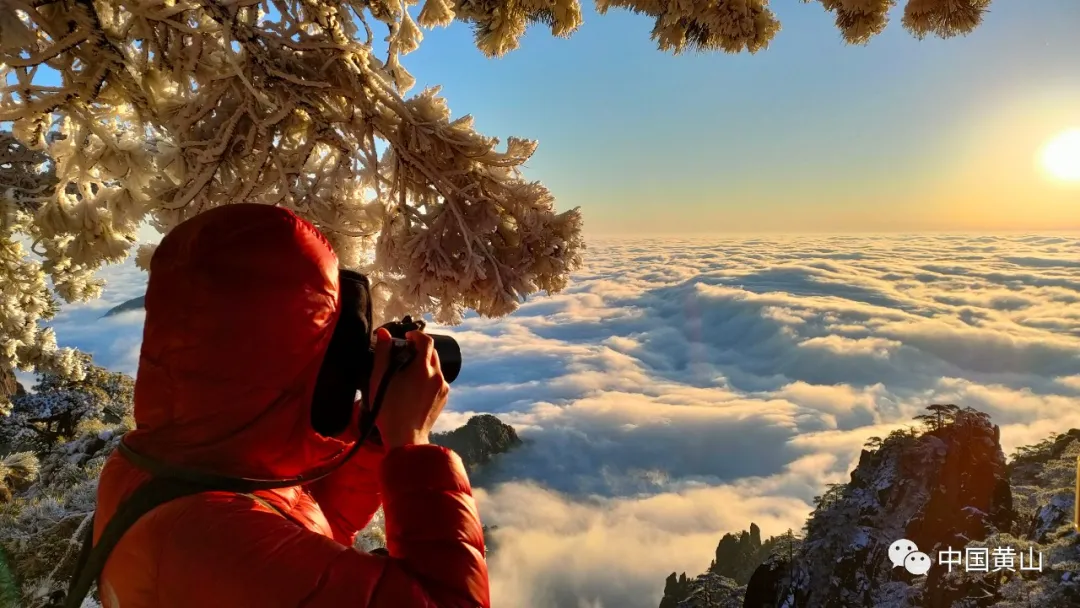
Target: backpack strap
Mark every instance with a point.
(91, 561)
(265, 503)
(146, 498)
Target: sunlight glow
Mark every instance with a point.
(1061, 156)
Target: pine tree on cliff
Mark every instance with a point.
(940, 415)
(176, 107)
(37, 420)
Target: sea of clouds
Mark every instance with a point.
(682, 388)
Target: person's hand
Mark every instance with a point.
(416, 395)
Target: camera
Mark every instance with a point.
(447, 347)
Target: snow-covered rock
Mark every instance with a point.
(946, 487)
(938, 489)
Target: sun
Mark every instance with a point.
(1061, 156)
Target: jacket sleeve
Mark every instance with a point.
(223, 549)
(350, 496)
(434, 537)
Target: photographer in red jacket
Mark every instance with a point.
(244, 311)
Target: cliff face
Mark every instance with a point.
(946, 487)
(9, 385)
(939, 489)
(737, 556)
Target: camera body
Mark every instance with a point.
(402, 351)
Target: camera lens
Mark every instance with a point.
(449, 356)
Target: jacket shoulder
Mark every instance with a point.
(211, 549)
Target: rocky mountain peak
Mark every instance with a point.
(482, 437)
(946, 486)
(940, 488)
(736, 558)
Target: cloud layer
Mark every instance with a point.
(681, 388)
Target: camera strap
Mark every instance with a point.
(170, 482)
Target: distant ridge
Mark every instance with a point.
(132, 304)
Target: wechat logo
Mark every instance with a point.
(903, 553)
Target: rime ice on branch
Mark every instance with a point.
(166, 108)
(861, 20)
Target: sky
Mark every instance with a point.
(808, 135)
(681, 388)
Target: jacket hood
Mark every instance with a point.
(241, 304)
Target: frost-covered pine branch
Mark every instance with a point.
(861, 20)
(25, 298)
(165, 108)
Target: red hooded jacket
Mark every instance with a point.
(240, 307)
